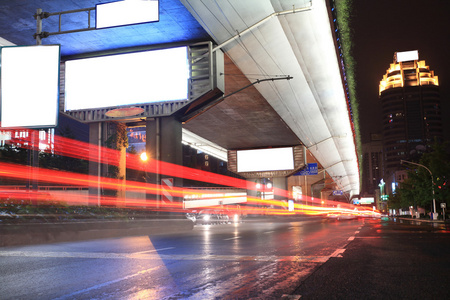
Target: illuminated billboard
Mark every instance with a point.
(407, 55)
(364, 200)
(127, 79)
(271, 159)
(126, 13)
(29, 90)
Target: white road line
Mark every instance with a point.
(232, 238)
(351, 238)
(154, 250)
(271, 231)
(93, 255)
(290, 297)
(337, 253)
(356, 232)
(98, 286)
(156, 256)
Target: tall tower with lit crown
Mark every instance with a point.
(411, 110)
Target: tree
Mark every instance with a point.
(53, 160)
(417, 189)
(118, 141)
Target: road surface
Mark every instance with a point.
(267, 259)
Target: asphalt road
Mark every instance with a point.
(259, 260)
(353, 259)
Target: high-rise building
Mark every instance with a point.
(411, 110)
(372, 164)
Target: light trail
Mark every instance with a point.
(89, 152)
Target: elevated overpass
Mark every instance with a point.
(260, 40)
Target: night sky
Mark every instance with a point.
(383, 27)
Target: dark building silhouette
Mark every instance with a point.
(411, 111)
(372, 164)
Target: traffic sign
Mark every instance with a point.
(310, 169)
(338, 193)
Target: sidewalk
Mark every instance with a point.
(387, 260)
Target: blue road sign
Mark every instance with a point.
(338, 193)
(310, 169)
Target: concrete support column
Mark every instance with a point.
(280, 183)
(95, 139)
(121, 191)
(98, 134)
(164, 144)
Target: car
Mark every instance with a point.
(208, 216)
(192, 216)
(211, 216)
(341, 216)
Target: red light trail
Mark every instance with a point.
(89, 152)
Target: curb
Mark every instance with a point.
(423, 220)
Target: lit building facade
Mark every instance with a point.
(411, 111)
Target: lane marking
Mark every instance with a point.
(271, 231)
(94, 255)
(154, 250)
(356, 232)
(290, 297)
(98, 286)
(232, 238)
(155, 256)
(351, 238)
(337, 253)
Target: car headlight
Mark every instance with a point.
(206, 217)
(236, 218)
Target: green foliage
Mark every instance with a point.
(119, 139)
(13, 154)
(19, 211)
(344, 11)
(50, 160)
(417, 189)
(53, 161)
(47, 158)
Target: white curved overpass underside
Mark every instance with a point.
(269, 38)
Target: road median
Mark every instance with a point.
(43, 233)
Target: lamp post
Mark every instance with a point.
(432, 182)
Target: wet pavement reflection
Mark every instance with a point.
(262, 260)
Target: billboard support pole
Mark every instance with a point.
(33, 149)
(38, 17)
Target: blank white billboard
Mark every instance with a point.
(126, 13)
(127, 79)
(29, 86)
(407, 55)
(272, 159)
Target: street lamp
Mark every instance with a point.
(144, 156)
(432, 182)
